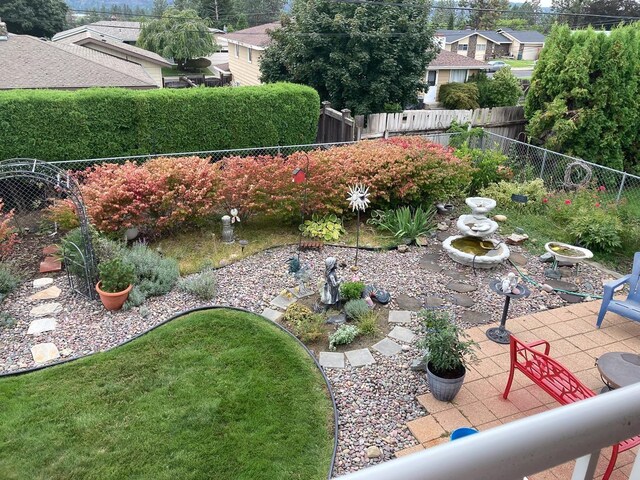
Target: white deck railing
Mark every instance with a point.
(527, 446)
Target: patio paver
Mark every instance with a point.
(387, 347)
(359, 358)
(399, 316)
(331, 360)
(403, 334)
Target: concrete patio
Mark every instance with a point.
(575, 342)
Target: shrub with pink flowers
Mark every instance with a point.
(8, 234)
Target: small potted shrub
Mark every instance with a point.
(116, 278)
(446, 355)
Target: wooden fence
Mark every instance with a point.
(506, 121)
(336, 126)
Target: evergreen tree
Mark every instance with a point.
(585, 95)
(159, 6)
(358, 56)
(485, 13)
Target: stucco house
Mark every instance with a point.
(449, 67)
(525, 44)
(246, 48)
(107, 44)
(487, 44)
(29, 62)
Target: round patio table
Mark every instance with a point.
(500, 334)
(618, 369)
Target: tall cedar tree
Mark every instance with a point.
(357, 56)
(179, 34)
(485, 13)
(40, 18)
(585, 95)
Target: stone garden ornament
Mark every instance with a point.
(330, 294)
(358, 201)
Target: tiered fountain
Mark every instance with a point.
(473, 247)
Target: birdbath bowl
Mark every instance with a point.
(564, 252)
(480, 205)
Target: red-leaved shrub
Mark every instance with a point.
(165, 193)
(8, 234)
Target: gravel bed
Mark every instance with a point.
(374, 401)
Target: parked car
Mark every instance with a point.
(496, 65)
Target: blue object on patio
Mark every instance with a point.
(630, 307)
(462, 432)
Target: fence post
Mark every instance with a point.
(346, 114)
(324, 121)
(544, 161)
(624, 177)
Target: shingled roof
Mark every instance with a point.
(256, 37)
(452, 61)
(28, 62)
(524, 36)
(123, 31)
(451, 36)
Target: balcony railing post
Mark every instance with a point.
(585, 467)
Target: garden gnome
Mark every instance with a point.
(331, 290)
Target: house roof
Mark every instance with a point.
(28, 62)
(452, 61)
(452, 36)
(123, 31)
(256, 37)
(524, 36)
(223, 68)
(91, 37)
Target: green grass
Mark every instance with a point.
(198, 248)
(217, 394)
(518, 63)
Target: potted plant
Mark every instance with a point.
(116, 278)
(446, 354)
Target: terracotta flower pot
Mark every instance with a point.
(113, 301)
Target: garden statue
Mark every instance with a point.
(227, 229)
(302, 274)
(330, 294)
(510, 284)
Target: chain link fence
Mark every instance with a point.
(561, 171)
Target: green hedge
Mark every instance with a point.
(57, 125)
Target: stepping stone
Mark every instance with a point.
(44, 352)
(399, 316)
(47, 294)
(282, 302)
(472, 317)
(50, 250)
(518, 259)
(463, 300)
(359, 358)
(46, 310)
(434, 301)
(50, 264)
(455, 275)
(338, 319)
(405, 302)
(461, 287)
(559, 284)
(331, 360)
(569, 298)
(387, 347)
(403, 334)
(273, 315)
(442, 236)
(431, 267)
(41, 325)
(42, 282)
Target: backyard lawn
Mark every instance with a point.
(519, 63)
(215, 394)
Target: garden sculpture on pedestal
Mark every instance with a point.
(331, 290)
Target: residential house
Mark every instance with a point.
(525, 44)
(487, 44)
(29, 62)
(246, 48)
(449, 67)
(127, 32)
(105, 43)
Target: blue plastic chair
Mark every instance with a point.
(629, 308)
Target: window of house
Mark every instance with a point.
(249, 54)
(458, 76)
(237, 50)
(431, 78)
(463, 47)
(481, 47)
